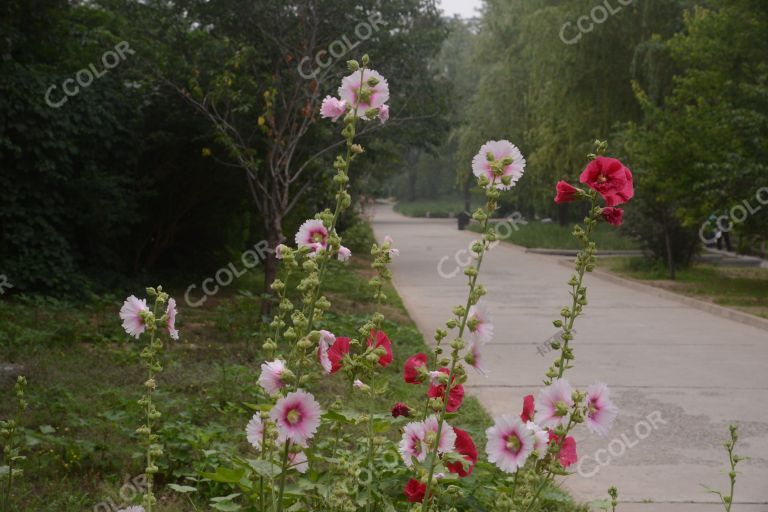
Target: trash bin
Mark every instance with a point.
(463, 220)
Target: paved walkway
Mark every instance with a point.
(679, 375)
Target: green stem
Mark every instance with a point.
(455, 356)
(283, 474)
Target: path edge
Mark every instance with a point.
(721, 311)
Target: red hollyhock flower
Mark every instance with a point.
(528, 409)
(566, 192)
(466, 447)
(337, 351)
(455, 397)
(567, 453)
(610, 178)
(400, 409)
(411, 372)
(415, 490)
(612, 215)
(382, 341)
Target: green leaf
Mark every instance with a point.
(226, 475)
(182, 488)
(47, 429)
(264, 468)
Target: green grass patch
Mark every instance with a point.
(434, 208)
(538, 235)
(745, 289)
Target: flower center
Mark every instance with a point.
(293, 416)
(602, 178)
(592, 410)
(317, 237)
(513, 443)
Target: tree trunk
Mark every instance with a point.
(670, 256)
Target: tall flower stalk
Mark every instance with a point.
(138, 319)
(11, 444)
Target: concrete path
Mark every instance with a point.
(679, 375)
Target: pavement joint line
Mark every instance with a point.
(613, 386)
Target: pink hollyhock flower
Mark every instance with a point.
(567, 455)
(392, 252)
(529, 408)
(610, 178)
(540, 439)
(254, 431)
(412, 369)
(475, 356)
(455, 397)
(344, 253)
(613, 216)
(566, 192)
(170, 324)
(412, 445)
(415, 491)
(357, 91)
(554, 402)
(447, 440)
(297, 416)
(499, 149)
(600, 410)
(130, 313)
(382, 341)
(400, 409)
(358, 384)
(298, 461)
(384, 114)
(279, 251)
(479, 322)
(333, 108)
(466, 447)
(509, 443)
(270, 379)
(337, 351)
(313, 234)
(327, 340)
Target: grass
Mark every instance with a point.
(85, 378)
(553, 236)
(745, 289)
(435, 208)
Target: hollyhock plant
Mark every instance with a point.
(415, 490)
(601, 412)
(447, 436)
(555, 402)
(510, 443)
(610, 178)
(333, 108)
(254, 431)
(474, 356)
(337, 351)
(170, 323)
(272, 375)
(412, 445)
(312, 234)
(465, 447)
(415, 369)
(384, 114)
(132, 315)
(400, 409)
(479, 323)
(326, 341)
(613, 216)
(297, 416)
(364, 90)
(455, 395)
(540, 439)
(298, 461)
(382, 342)
(344, 254)
(529, 408)
(566, 192)
(512, 163)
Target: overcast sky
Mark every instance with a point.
(464, 8)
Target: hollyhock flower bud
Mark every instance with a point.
(384, 114)
(353, 65)
(455, 396)
(566, 192)
(528, 409)
(613, 216)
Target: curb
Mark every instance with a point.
(573, 252)
(723, 312)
